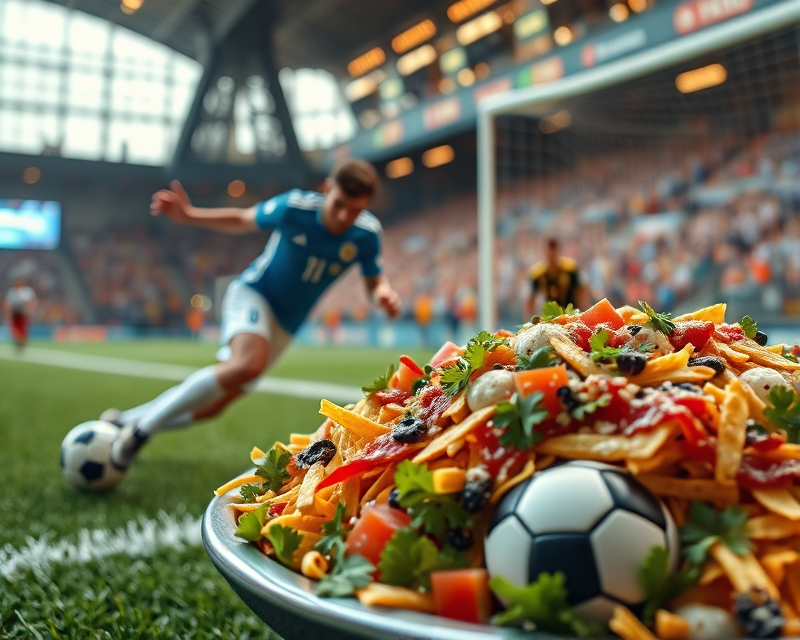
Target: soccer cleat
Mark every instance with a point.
(127, 445)
(112, 416)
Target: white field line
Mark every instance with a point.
(157, 371)
(140, 538)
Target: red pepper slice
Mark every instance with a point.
(392, 396)
(758, 473)
(276, 508)
(696, 333)
(411, 365)
(381, 451)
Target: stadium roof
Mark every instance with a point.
(324, 34)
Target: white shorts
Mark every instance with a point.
(245, 310)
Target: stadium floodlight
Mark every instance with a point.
(478, 28)
(399, 168)
(706, 77)
(366, 62)
(462, 10)
(414, 36)
(416, 60)
(438, 156)
(538, 102)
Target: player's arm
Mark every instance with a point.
(174, 203)
(382, 294)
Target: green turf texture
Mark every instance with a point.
(172, 594)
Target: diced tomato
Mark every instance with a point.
(795, 351)
(618, 339)
(404, 377)
(406, 360)
(276, 508)
(580, 334)
(547, 380)
(462, 594)
(602, 313)
(392, 396)
(728, 333)
(697, 333)
(447, 355)
(373, 529)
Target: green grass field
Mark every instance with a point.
(168, 593)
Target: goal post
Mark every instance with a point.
(539, 102)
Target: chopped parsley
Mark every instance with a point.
(250, 524)
(348, 574)
(749, 327)
(409, 558)
(544, 603)
(456, 376)
(660, 585)
(539, 359)
(250, 492)
(380, 383)
(707, 526)
(646, 347)
(432, 513)
(659, 321)
(518, 417)
(600, 349)
(785, 412)
(285, 541)
(551, 310)
(581, 411)
(334, 533)
(273, 469)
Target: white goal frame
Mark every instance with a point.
(539, 100)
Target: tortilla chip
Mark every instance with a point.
(760, 355)
(438, 445)
(715, 313)
(458, 409)
(627, 626)
(305, 498)
(772, 527)
(776, 564)
(503, 489)
(575, 356)
(744, 572)
(353, 422)
(384, 595)
(591, 446)
(778, 501)
(692, 489)
(731, 436)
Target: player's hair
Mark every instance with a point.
(552, 243)
(355, 177)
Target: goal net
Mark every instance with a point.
(672, 176)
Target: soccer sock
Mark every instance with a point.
(197, 390)
(129, 415)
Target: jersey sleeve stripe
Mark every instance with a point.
(308, 200)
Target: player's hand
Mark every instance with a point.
(172, 203)
(387, 299)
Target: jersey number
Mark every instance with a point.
(314, 269)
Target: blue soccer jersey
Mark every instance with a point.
(302, 258)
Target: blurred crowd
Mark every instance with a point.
(663, 223)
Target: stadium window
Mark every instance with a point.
(112, 78)
(619, 12)
(438, 156)
(320, 115)
(702, 78)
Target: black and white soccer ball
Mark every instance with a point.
(86, 456)
(594, 523)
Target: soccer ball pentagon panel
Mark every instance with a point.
(86, 456)
(594, 523)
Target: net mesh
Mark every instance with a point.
(676, 198)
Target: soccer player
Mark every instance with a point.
(315, 238)
(19, 305)
(556, 278)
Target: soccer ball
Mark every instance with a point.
(86, 456)
(594, 523)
